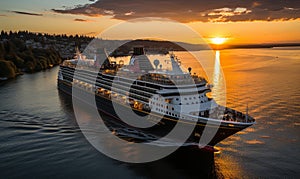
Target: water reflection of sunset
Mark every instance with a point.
(228, 167)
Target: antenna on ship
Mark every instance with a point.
(107, 54)
(77, 53)
(95, 56)
(247, 111)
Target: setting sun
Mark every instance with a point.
(218, 40)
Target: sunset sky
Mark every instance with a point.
(239, 21)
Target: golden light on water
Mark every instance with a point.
(218, 40)
(218, 86)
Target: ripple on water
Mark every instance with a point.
(254, 142)
(25, 133)
(49, 141)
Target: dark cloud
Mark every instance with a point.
(27, 13)
(81, 20)
(192, 10)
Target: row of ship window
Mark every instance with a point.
(161, 105)
(177, 99)
(167, 107)
(167, 112)
(190, 98)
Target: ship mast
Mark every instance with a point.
(247, 111)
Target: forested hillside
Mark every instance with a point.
(31, 52)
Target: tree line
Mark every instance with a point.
(16, 57)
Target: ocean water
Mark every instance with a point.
(40, 137)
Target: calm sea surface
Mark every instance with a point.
(39, 136)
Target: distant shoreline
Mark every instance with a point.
(26, 52)
(163, 47)
(251, 46)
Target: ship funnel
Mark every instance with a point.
(138, 51)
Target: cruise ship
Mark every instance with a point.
(163, 96)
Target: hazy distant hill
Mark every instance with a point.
(124, 47)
